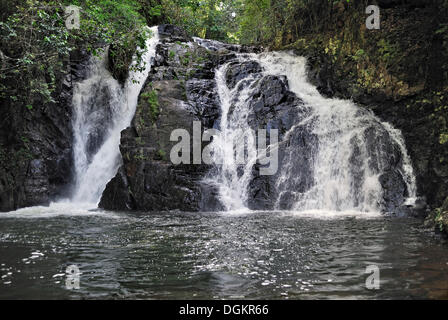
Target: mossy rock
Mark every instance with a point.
(120, 58)
(438, 218)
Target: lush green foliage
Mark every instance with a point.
(276, 21)
(212, 19)
(33, 39)
(36, 45)
(153, 102)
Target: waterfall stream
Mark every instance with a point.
(352, 155)
(103, 108)
(341, 128)
(233, 185)
(334, 155)
(309, 229)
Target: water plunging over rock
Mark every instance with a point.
(333, 155)
(103, 108)
(183, 90)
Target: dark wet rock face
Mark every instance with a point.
(182, 80)
(99, 116)
(213, 45)
(173, 33)
(385, 158)
(201, 94)
(148, 180)
(36, 145)
(240, 70)
(273, 106)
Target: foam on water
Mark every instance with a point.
(56, 209)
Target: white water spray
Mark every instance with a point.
(340, 127)
(102, 110)
(233, 185)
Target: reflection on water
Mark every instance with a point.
(263, 255)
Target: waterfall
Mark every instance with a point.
(352, 153)
(333, 154)
(232, 186)
(341, 128)
(102, 109)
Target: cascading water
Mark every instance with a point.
(103, 108)
(352, 155)
(344, 146)
(233, 185)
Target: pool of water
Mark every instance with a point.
(253, 255)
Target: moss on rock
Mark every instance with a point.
(399, 71)
(438, 218)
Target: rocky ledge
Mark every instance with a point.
(36, 158)
(179, 91)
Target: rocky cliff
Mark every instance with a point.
(37, 159)
(399, 72)
(36, 143)
(181, 89)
